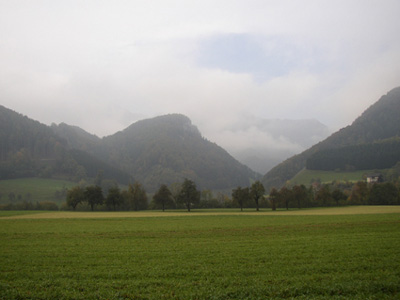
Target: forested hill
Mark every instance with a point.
(29, 148)
(76, 138)
(169, 148)
(380, 121)
(165, 149)
(18, 132)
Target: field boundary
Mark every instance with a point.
(347, 210)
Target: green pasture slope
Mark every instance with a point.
(307, 176)
(33, 189)
(186, 256)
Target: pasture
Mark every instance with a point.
(337, 253)
(307, 176)
(33, 189)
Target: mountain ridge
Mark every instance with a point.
(173, 147)
(379, 121)
(164, 149)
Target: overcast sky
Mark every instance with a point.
(102, 65)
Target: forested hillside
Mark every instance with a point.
(168, 149)
(76, 138)
(19, 132)
(378, 155)
(156, 151)
(378, 122)
(27, 147)
(31, 149)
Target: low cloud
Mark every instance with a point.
(103, 66)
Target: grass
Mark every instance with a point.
(201, 256)
(343, 210)
(39, 189)
(307, 176)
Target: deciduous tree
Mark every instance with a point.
(257, 191)
(274, 198)
(241, 196)
(137, 197)
(300, 195)
(359, 193)
(323, 196)
(93, 196)
(163, 196)
(189, 195)
(286, 196)
(338, 196)
(75, 196)
(114, 197)
(383, 194)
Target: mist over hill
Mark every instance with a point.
(164, 149)
(264, 143)
(169, 148)
(379, 122)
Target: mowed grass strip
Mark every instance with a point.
(202, 257)
(347, 210)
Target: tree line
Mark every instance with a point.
(335, 194)
(186, 196)
(134, 197)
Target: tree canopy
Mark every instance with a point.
(94, 196)
(189, 195)
(163, 196)
(257, 191)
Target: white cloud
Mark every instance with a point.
(102, 65)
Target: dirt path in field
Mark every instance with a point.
(350, 210)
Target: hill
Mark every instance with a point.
(75, 137)
(169, 148)
(27, 147)
(380, 121)
(31, 149)
(377, 155)
(165, 149)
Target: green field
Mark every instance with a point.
(307, 176)
(33, 189)
(339, 253)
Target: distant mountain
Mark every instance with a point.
(31, 149)
(19, 132)
(379, 122)
(276, 140)
(165, 149)
(75, 137)
(26, 146)
(169, 148)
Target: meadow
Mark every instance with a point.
(331, 253)
(307, 176)
(34, 189)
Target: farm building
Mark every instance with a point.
(374, 177)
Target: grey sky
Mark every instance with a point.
(102, 65)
